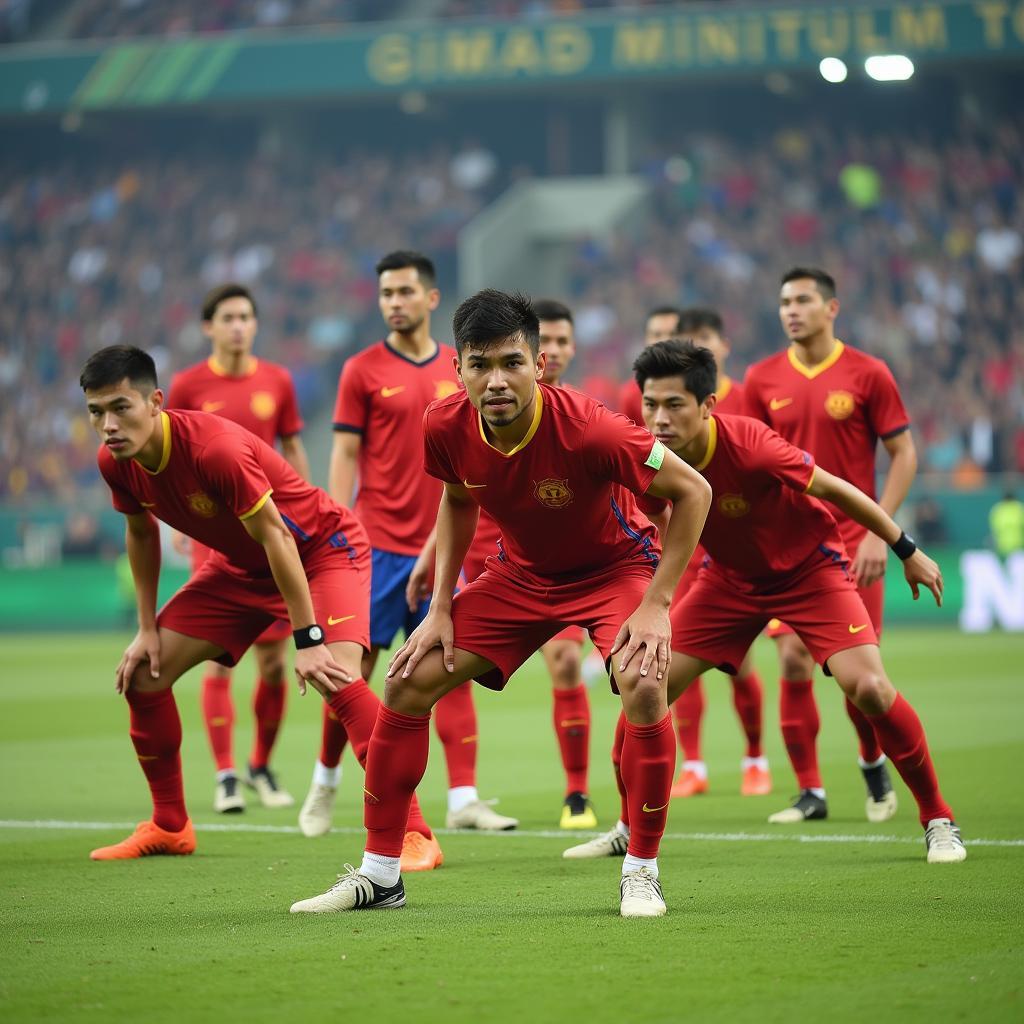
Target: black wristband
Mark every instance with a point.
(311, 636)
(904, 547)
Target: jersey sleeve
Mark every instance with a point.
(790, 465)
(352, 408)
(234, 472)
(886, 411)
(289, 419)
(121, 498)
(436, 460)
(616, 449)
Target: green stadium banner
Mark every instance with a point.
(740, 38)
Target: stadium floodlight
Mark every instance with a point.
(833, 70)
(889, 67)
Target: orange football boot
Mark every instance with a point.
(756, 781)
(149, 840)
(689, 783)
(420, 853)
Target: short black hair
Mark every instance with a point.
(223, 292)
(696, 317)
(402, 258)
(552, 309)
(491, 317)
(694, 364)
(663, 311)
(822, 278)
(116, 363)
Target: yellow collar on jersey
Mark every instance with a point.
(165, 454)
(538, 410)
(712, 443)
(221, 372)
(810, 372)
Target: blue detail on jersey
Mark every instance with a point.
(836, 557)
(644, 542)
(340, 541)
(295, 528)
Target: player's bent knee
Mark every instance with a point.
(870, 691)
(644, 698)
(272, 668)
(796, 665)
(414, 695)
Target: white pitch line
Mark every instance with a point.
(701, 837)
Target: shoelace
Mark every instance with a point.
(350, 875)
(941, 835)
(642, 885)
(321, 800)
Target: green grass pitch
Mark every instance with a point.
(762, 926)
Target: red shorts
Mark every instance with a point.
(505, 618)
(233, 610)
(874, 601)
(276, 633)
(717, 624)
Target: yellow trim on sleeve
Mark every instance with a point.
(712, 443)
(165, 454)
(259, 504)
(810, 372)
(814, 469)
(538, 411)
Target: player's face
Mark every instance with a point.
(673, 414)
(404, 302)
(501, 380)
(232, 329)
(803, 311)
(709, 338)
(124, 418)
(660, 327)
(558, 343)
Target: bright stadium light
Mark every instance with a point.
(833, 70)
(889, 67)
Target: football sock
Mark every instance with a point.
(688, 708)
(382, 870)
(617, 742)
(268, 707)
(798, 716)
(572, 728)
(396, 761)
(333, 738)
(903, 740)
(870, 748)
(156, 735)
(324, 776)
(748, 700)
(631, 863)
(461, 796)
(219, 716)
(456, 726)
(699, 768)
(648, 763)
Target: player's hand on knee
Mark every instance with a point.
(317, 667)
(869, 562)
(435, 630)
(650, 629)
(920, 570)
(145, 647)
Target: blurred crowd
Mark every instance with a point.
(925, 238)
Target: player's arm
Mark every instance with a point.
(418, 588)
(344, 466)
(142, 542)
(457, 518)
(294, 452)
(917, 566)
(648, 626)
(314, 665)
(870, 557)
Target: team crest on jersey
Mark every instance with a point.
(202, 504)
(840, 404)
(444, 388)
(553, 492)
(262, 404)
(733, 505)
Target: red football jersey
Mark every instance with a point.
(382, 396)
(563, 499)
(213, 474)
(729, 392)
(761, 526)
(261, 400)
(837, 411)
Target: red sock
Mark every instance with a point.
(798, 716)
(156, 734)
(903, 740)
(870, 748)
(748, 700)
(648, 763)
(572, 729)
(356, 707)
(396, 761)
(689, 713)
(333, 738)
(455, 723)
(620, 739)
(268, 707)
(219, 716)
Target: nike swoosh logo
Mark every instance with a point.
(471, 487)
(332, 621)
(651, 810)
(148, 504)
(388, 392)
(779, 403)
(857, 629)
(213, 406)
(566, 723)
